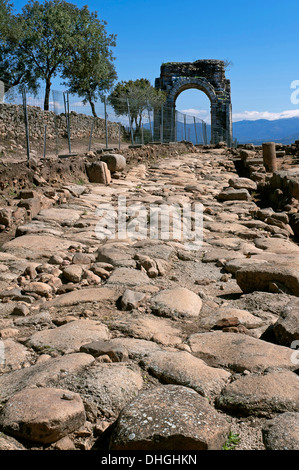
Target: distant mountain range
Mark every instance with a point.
(283, 131)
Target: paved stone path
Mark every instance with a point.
(120, 327)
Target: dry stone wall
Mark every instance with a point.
(12, 124)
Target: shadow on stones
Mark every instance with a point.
(102, 443)
(234, 296)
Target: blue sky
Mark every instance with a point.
(260, 37)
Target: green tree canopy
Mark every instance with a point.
(55, 38)
(14, 69)
(141, 96)
(91, 71)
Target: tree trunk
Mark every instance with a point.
(47, 95)
(93, 109)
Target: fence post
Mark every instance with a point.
(119, 132)
(131, 129)
(67, 117)
(185, 130)
(45, 140)
(55, 121)
(206, 137)
(2, 91)
(196, 141)
(26, 122)
(161, 127)
(90, 136)
(204, 133)
(106, 123)
(149, 119)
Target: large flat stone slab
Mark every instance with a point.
(149, 327)
(68, 338)
(93, 294)
(37, 245)
(239, 352)
(128, 277)
(43, 373)
(181, 368)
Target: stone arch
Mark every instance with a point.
(187, 83)
(205, 75)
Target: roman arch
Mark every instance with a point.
(205, 75)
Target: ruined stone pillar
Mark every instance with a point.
(269, 156)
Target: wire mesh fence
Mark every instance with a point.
(71, 126)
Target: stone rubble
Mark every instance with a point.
(148, 343)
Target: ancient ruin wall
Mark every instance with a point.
(12, 124)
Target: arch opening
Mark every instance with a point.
(193, 110)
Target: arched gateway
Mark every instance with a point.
(205, 75)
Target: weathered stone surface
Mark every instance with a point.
(115, 162)
(68, 338)
(242, 183)
(269, 277)
(239, 352)
(16, 356)
(101, 347)
(59, 215)
(277, 245)
(43, 414)
(243, 317)
(132, 299)
(179, 302)
(181, 368)
(286, 329)
(37, 244)
(73, 273)
(43, 373)
(111, 386)
(230, 227)
(170, 417)
(32, 204)
(98, 172)
(150, 328)
(5, 217)
(214, 254)
(231, 194)
(129, 277)
(92, 294)
(40, 288)
(20, 309)
(233, 265)
(38, 320)
(116, 255)
(261, 395)
(155, 249)
(9, 443)
(82, 258)
(282, 432)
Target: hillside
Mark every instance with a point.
(284, 131)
